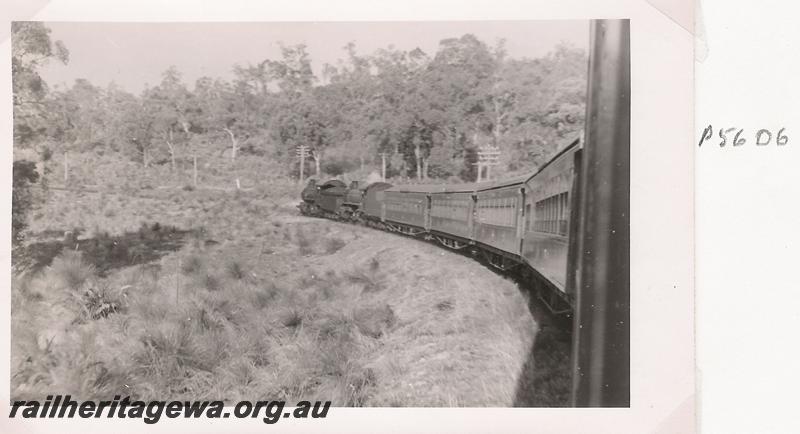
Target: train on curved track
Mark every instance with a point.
(565, 226)
(522, 223)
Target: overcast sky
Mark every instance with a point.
(133, 54)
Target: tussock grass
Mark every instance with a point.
(235, 270)
(291, 318)
(445, 305)
(98, 303)
(383, 321)
(192, 263)
(333, 245)
(211, 282)
(264, 297)
(70, 270)
(374, 321)
(369, 277)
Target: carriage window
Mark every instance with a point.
(552, 214)
(499, 211)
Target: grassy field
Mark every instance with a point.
(207, 294)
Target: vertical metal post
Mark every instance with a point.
(601, 339)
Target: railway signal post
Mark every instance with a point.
(488, 156)
(302, 153)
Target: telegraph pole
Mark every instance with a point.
(488, 156)
(383, 166)
(302, 153)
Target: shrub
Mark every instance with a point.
(292, 318)
(307, 281)
(444, 305)
(358, 382)
(70, 270)
(264, 297)
(335, 327)
(24, 174)
(235, 270)
(259, 353)
(211, 282)
(333, 245)
(98, 304)
(374, 320)
(370, 277)
(335, 345)
(167, 352)
(191, 264)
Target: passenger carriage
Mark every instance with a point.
(406, 208)
(452, 215)
(565, 226)
(499, 209)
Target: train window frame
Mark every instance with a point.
(551, 215)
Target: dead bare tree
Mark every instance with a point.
(234, 142)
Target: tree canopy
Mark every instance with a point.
(426, 114)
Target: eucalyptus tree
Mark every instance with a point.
(398, 74)
(172, 108)
(31, 48)
(222, 110)
(299, 118)
(350, 100)
(451, 100)
(547, 102)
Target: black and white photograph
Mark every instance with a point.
(349, 214)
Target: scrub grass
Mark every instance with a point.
(247, 300)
